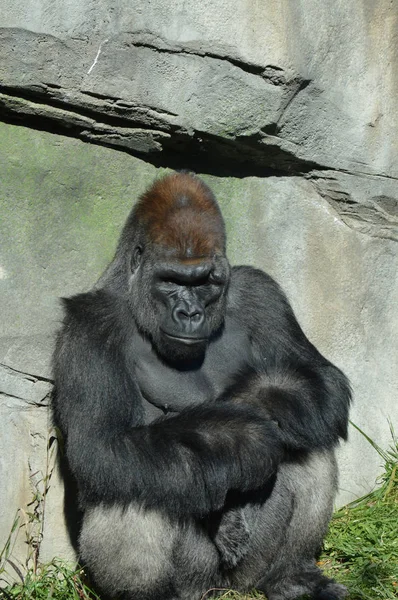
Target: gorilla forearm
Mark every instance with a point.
(302, 391)
(184, 465)
(308, 402)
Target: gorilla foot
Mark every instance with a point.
(232, 538)
(331, 591)
(311, 583)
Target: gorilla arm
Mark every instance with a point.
(306, 395)
(300, 390)
(184, 464)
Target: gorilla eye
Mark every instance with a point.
(136, 258)
(201, 281)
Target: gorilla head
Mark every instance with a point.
(177, 273)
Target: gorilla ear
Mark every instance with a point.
(136, 259)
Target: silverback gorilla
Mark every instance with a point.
(199, 421)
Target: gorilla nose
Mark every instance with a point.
(188, 317)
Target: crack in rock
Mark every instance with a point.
(363, 209)
(270, 73)
(24, 386)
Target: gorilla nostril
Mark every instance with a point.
(182, 314)
(186, 315)
(197, 317)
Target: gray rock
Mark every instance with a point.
(292, 116)
(23, 386)
(309, 85)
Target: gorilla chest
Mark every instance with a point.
(165, 389)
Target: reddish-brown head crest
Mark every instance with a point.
(180, 213)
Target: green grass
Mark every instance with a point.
(361, 551)
(55, 581)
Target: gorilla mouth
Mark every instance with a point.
(188, 341)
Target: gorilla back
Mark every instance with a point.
(199, 421)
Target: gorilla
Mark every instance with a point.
(198, 420)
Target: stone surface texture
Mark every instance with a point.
(287, 109)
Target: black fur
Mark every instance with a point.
(256, 395)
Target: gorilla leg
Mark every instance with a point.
(197, 563)
(139, 554)
(287, 531)
(128, 550)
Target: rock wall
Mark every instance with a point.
(287, 109)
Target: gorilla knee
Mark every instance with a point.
(128, 551)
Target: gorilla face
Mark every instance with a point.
(178, 273)
(180, 304)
